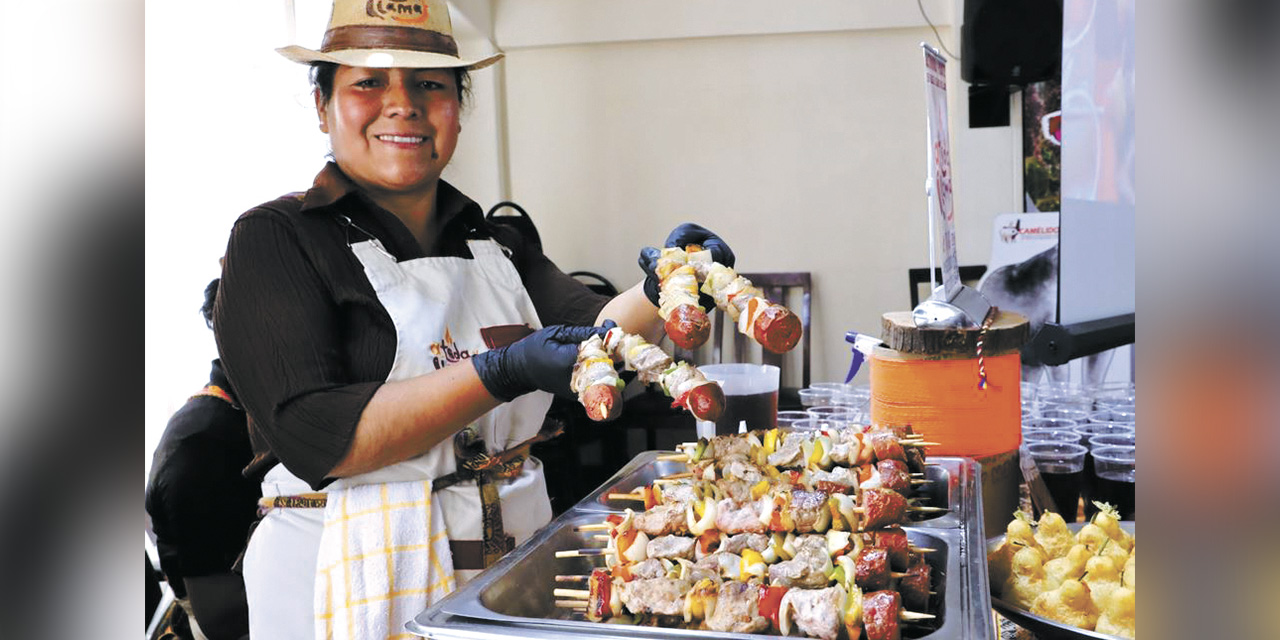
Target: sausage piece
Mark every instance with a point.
(894, 541)
(871, 569)
(880, 613)
(914, 587)
(688, 326)
(777, 329)
(706, 402)
(881, 508)
(603, 402)
(894, 475)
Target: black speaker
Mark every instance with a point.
(1011, 42)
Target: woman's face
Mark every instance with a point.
(392, 131)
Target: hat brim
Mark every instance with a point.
(385, 58)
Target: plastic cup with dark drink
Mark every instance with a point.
(1088, 432)
(1061, 465)
(750, 397)
(1116, 480)
(1113, 415)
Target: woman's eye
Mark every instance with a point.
(431, 85)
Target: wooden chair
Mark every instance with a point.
(793, 289)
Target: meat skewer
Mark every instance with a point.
(770, 324)
(681, 381)
(685, 320)
(748, 607)
(596, 381)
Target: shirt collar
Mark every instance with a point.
(332, 185)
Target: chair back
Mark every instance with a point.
(727, 344)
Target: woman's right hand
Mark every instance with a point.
(542, 360)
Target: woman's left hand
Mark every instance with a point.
(683, 236)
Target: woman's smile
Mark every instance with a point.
(392, 131)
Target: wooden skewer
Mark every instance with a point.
(673, 457)
(911, 616)
(583, 553)
(929, 509)
(603, 526)
(893, 574)
(917, 475)
(921, 549)
(571, 604)
(626, 496)
(601, 536)
(917, 481)
(678, 476)
(582, 594)
(918, 443)
(571, 578)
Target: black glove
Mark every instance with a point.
(682, 236)
(542, 360)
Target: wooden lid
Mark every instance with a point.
(1008, 332)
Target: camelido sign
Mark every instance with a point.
(406, 11)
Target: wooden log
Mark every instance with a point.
(1008, 332)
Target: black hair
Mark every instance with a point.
(322, 74)
(210, 296)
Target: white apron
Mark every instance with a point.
(442, 308)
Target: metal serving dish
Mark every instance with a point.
(943, 490)
(513, 599)
(1044, 627)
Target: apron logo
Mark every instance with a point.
(407, 11)
(447, 352)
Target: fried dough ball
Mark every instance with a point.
(1130, 576)
(1070, 566)
(1092, 537)
(1016, 536)
(1118, 617)
(1069, 604)
(1109, 521)
(1053, 535)
(1103, 577)
(1027, 578)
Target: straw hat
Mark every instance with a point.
(388, 33)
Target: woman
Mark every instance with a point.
(386, 344)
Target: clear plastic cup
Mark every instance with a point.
(1050, 423)
(1114, 415)
(1092, 429)
(811, 397)
(1113, 440)
(789, 418)
(1051, 435)
(833, 412)
(1028, 413)
(1061, 465)
(821, 424)
(1079, 415)
(835, 387)
(1115, 481)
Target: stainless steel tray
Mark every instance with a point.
(1043, 627)
(514, 597)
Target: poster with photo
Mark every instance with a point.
(1042, 146)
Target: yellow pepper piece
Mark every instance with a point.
(759, 489)
(816, 456)
(771, 441)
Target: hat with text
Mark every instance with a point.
(389, 33)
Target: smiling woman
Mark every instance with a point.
(331, 306)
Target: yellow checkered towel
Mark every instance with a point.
(384, 557)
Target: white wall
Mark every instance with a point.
(794, 130)
(798, 136)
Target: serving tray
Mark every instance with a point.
(514, 597)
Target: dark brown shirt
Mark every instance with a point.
(300, 331)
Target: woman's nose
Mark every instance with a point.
(397, 100)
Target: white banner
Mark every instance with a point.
(935, 93)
